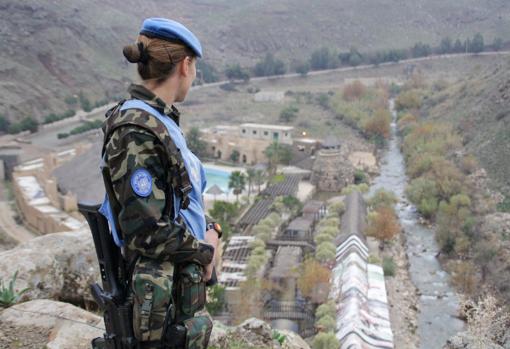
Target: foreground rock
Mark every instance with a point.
(253, 333)
(57, 266)
(48, 324)
(464, 341)
(57, 325)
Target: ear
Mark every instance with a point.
(184, 66)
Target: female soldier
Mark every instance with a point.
(154, 186)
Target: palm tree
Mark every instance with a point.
(250, 177)
(273, 154)
(259, 178)
(277, 153)
(236, 181)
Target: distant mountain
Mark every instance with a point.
(53, 49)
(479, 107)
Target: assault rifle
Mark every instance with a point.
(112, 298)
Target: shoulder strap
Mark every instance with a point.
(179, 180)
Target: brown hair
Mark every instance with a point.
(156, 58)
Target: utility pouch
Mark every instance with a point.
(198, 332)
(191, 288)
(152, 296)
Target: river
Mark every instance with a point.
(439, 303)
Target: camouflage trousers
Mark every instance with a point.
(168, 302)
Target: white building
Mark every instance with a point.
(278, 133)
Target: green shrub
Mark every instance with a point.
(326, 323)
(408, 100)
(337, 208)
(215, 299)
(382, 198)
(389, 266)
(279, 337)
(504, 206)
(360, 177)
(325, 309)
(325, 340)
(8, 295)
(325, 252)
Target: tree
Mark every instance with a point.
(485, 252)
(269, 66)
(323, 58)
(85, 103)
(476, 45)
(445, 46)
(224, 213)
(259, 178)
(250, 177)
(303, 68)
(379, 125)
(458, 47)
(312, 275)
(352, 58)
(206, 72)
(27, 124)
(421, 50)
(382, 198)
(237, 182)
(277, 153)
(497, 44)
(408, 100)
(195, 143)
(353, 91)
(289, 113)
(235, 156)
(235, 72)
(383, 225)
(4, 124)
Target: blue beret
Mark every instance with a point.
(167, 29)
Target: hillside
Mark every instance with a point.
(479, 106)
(52, 50)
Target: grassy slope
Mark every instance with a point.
(54, 49)
(479, 105)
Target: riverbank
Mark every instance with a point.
(434, 296)
(403, 297)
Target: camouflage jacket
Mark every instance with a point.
(144, 226)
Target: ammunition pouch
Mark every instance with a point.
(191, 288)
(163, 310)
(189, 331)
(152, 297)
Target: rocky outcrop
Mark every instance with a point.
(253, 333)
(55, 266)
(57, 325)
(49, 324)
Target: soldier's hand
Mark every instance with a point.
(211, 237)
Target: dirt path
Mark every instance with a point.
(402, 299)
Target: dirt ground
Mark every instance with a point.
(402, 297)
(27, 338)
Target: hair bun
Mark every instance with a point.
(132, 53)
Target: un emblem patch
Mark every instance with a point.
(141, 182)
